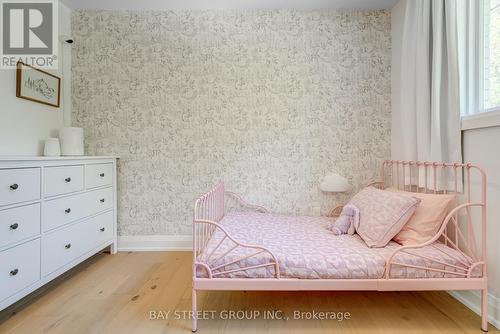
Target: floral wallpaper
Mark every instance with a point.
(268, 101)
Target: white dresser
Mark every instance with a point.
(54, 214)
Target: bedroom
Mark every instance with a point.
(295, 106)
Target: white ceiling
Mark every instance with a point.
(229, 4)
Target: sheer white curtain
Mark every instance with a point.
(429, 103)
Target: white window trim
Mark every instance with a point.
(487, 119)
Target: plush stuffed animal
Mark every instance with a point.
(345, 223)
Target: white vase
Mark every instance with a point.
(52, 147)
(71, 141)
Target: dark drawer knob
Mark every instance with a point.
(68, 210)
(102, 229)
(102, 200)
(67, 180)
(14, 226)
(101, 175)
(68, 246)
(14, 186)
(14, 272)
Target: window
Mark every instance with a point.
(479, 62)
(491, 60)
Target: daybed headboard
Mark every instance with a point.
(466, 180)
(432, 177)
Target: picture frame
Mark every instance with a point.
(36, 85)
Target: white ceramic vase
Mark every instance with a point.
(52, 147)
(71, 141)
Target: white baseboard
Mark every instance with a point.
(472, 300)
(145, 243)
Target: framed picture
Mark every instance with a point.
(37, 85)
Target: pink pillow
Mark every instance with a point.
(428, 217)
(382, 214)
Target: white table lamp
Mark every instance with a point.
(334, 183)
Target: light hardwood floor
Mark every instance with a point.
(115, 294)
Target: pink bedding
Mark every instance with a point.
(306, 249)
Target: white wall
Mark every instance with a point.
(24, 124)
(478, 149)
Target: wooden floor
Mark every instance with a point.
(115, 294)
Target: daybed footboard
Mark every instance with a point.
(209, 210)
(215, 266)
(234, 202)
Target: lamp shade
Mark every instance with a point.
(334, 183)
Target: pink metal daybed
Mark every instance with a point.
(240, 246)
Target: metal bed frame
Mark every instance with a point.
(413, 176)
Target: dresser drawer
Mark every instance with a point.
(64, 210)
(19, 223)
(19, 185)
(63, 180)
(19, 268)
(68, 244)
(63, 246)
(103, 228)
(98, 175)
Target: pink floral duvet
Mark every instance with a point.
(306, 249)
